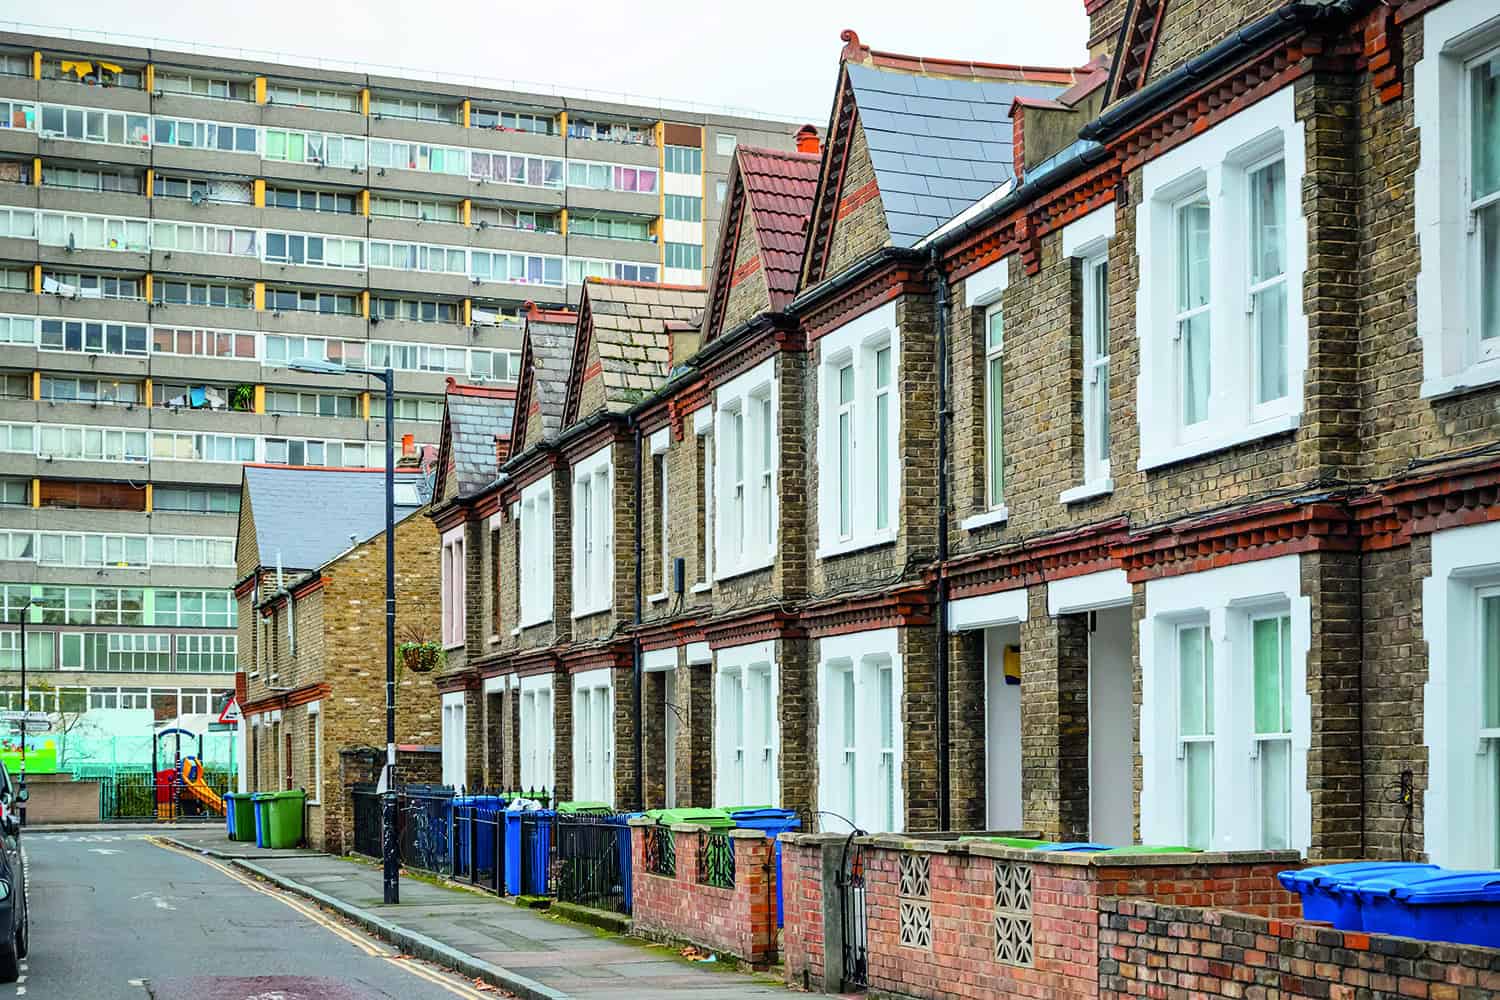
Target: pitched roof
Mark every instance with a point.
(473, 418)
(938, 132)
(780, 188)
(546, 353)
(628, 322)
(307, 516)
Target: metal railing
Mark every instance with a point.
(591, 861)
(716, 860)
(479, 844)
(661, 852)
(143, 796)
(366, 819)
(424, 818)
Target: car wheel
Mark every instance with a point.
(10, 963)
(23, 936)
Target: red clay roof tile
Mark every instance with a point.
(780, 187)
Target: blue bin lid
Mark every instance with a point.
(1350, 874)
(1438, 888)
(764, 814)
(1076, 847)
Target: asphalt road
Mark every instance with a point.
(117, 916)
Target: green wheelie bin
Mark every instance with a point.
(242, 813)
(283, 818)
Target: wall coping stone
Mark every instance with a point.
(739, 834)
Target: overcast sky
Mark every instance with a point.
(776, 56)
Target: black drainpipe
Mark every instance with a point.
(640, 756)
(945, 795)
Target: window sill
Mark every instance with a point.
(657, 598)
(702, 588)
(847, 546)
(449, 646)
(734, 571)
(590, 612)
(999, 515)
(1208, 445)
(1087, 491)
(1476, 376)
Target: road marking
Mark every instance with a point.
(103, 850)
(331, 925)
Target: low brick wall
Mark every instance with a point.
(976, 920)
(58, 798)
(740, 921)
(1157, 950)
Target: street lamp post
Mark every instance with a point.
(389, 850)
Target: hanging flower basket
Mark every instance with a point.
(421, 657)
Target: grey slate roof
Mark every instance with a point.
(474, 422)
(551, 355)
(938, 144)
(307, 515)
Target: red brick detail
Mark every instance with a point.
(740, 921)
(1137, 45)
(593, 370)
(685, 402)
(287, 699)
(1260, 532)
(464, 681)
(669, 634)
(745, 270)
(1382, 53)
(859, 197)
(890, 609)
(884, 285)
(756, 626)
(830, 180)
(1051, 557)
(1030, 243)
(614, 655)
(1018, 140)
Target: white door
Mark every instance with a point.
(1002, 731)
(1111, 782)
(670, 734)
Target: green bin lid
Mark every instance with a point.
(291, 793)
(738, 809)
(1023, 843)
(716, 818)
(1152, 849)
(574, 808)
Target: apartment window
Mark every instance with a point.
(420, 209)
(1095, 370)
(611, 177)
(409, 408)
(193, 85)
(179, 550)
(89, 390)
(509, 168)
(859, 723)
(93, 232)
(85, 124)
(280, 300)
(18, 439)
(15, 386)
(512, 121)
(414, 310)
(454, 579)
(746, 471)
(189, 134)
(197, 239)
(1195, 731)
(536, 554)
(323, 251)
(323, 454)
(659, 517)
(416, 357)
(315, 148)
(455, 740)
(15, 492)
(90, 337)
(196, 499)
(704, 449)
(536, 733)
(203, 293)
(857, 433)
(593, 736)
(184, 447)
(994, 410)
(684, 160)
(721, 191)
(497, 366)
(420, 157)
(94, 444)
(312, 97)
(688, 256)
(206, 654)
(684, 208)
(19, 223)
(593, 551)
(305, 200)
(520, 269)
(415, 108)
(312, 404)
(724, 144)
(1271, 652)
(315, 752)
(581, 269)
(1224, 341)
(746, 726)
(611, 227)
(17, 330)
(203, 343)
(83, 179)
(496, 586)
(194, 608)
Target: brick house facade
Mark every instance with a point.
(313, 689)
(1143, 487)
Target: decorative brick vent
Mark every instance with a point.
(1013, 913)
(916, 900)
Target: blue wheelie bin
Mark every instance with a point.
(1072, 847)
(483, 807)
(773, 822)
(260, 803)
(1456, 907)
(1330, 892)
(535, 883)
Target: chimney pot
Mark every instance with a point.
(408, 445)
(807, 140)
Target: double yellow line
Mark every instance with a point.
(328, 923)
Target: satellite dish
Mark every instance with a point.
(197, 198)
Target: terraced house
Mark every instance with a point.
(178, 228)
(1108, 450)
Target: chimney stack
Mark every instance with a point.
(408, 445)
(807, 140)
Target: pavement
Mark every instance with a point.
(116, 915)
(524, 951)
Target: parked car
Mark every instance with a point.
(15, 914)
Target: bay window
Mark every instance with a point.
(536, 554)
(744, 463)
(593, 737)
(746, 729)
(593, 551)
(858, 430)
(1223, 331)
(859, 731)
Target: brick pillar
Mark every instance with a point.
(919, 711)
(695, 769)
(494, 738)
(474, 739)
(562, 736)
(654, 726)
(1335, 761)
(625, 723)
(1054, 721)
(966, 729)
(755, 894)
(512, 776)
(798, 746)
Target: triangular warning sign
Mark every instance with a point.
(231, 713)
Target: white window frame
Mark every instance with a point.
(845, 770)
(315, 770)
(593, 533)
(1455, 34)
(594, 736)
(756, 754)
(662, 500)
(703, 427)
(745, 528)
(857, 343)
(983, 290)
(455, 739)
(1227, 600)
(1461, 813)
(454, 581)
(1088, 239)
(1217, 164)
(537, 570)
(537, 739)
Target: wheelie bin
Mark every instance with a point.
(282, 826)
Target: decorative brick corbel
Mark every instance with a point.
(1030, 243)
(1382, 52)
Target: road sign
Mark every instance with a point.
(222, 727)
(230, 716)
(32, 725)
(25, 717)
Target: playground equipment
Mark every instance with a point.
(193, 784)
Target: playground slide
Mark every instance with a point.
(194, 785)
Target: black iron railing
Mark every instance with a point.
(591, 861)
(141, 795)
(661, 852)
(716, 860)
(366, 819)
(424, 817)
(479, 844)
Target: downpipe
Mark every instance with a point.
(635, 641)
(945, 789)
